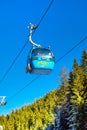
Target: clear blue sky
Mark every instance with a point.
(64, 25)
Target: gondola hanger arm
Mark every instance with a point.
(32, 27)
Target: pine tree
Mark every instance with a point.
(84, 61)
(60, 111)
(71, 108)
(63, 86)
(84, 106)
(78, 90)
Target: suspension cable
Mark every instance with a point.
(13, 62)
(17, 56)
(8, 70)
(81, 41)
(49, 6)
(37, 77)
(76, 45)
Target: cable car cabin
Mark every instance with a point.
(3, 103)
(40, 61)
(2, 100)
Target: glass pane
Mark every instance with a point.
(41, 51)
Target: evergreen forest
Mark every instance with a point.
(64, 108)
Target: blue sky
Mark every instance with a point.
(64, 25)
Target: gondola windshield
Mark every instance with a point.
(42, 53)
